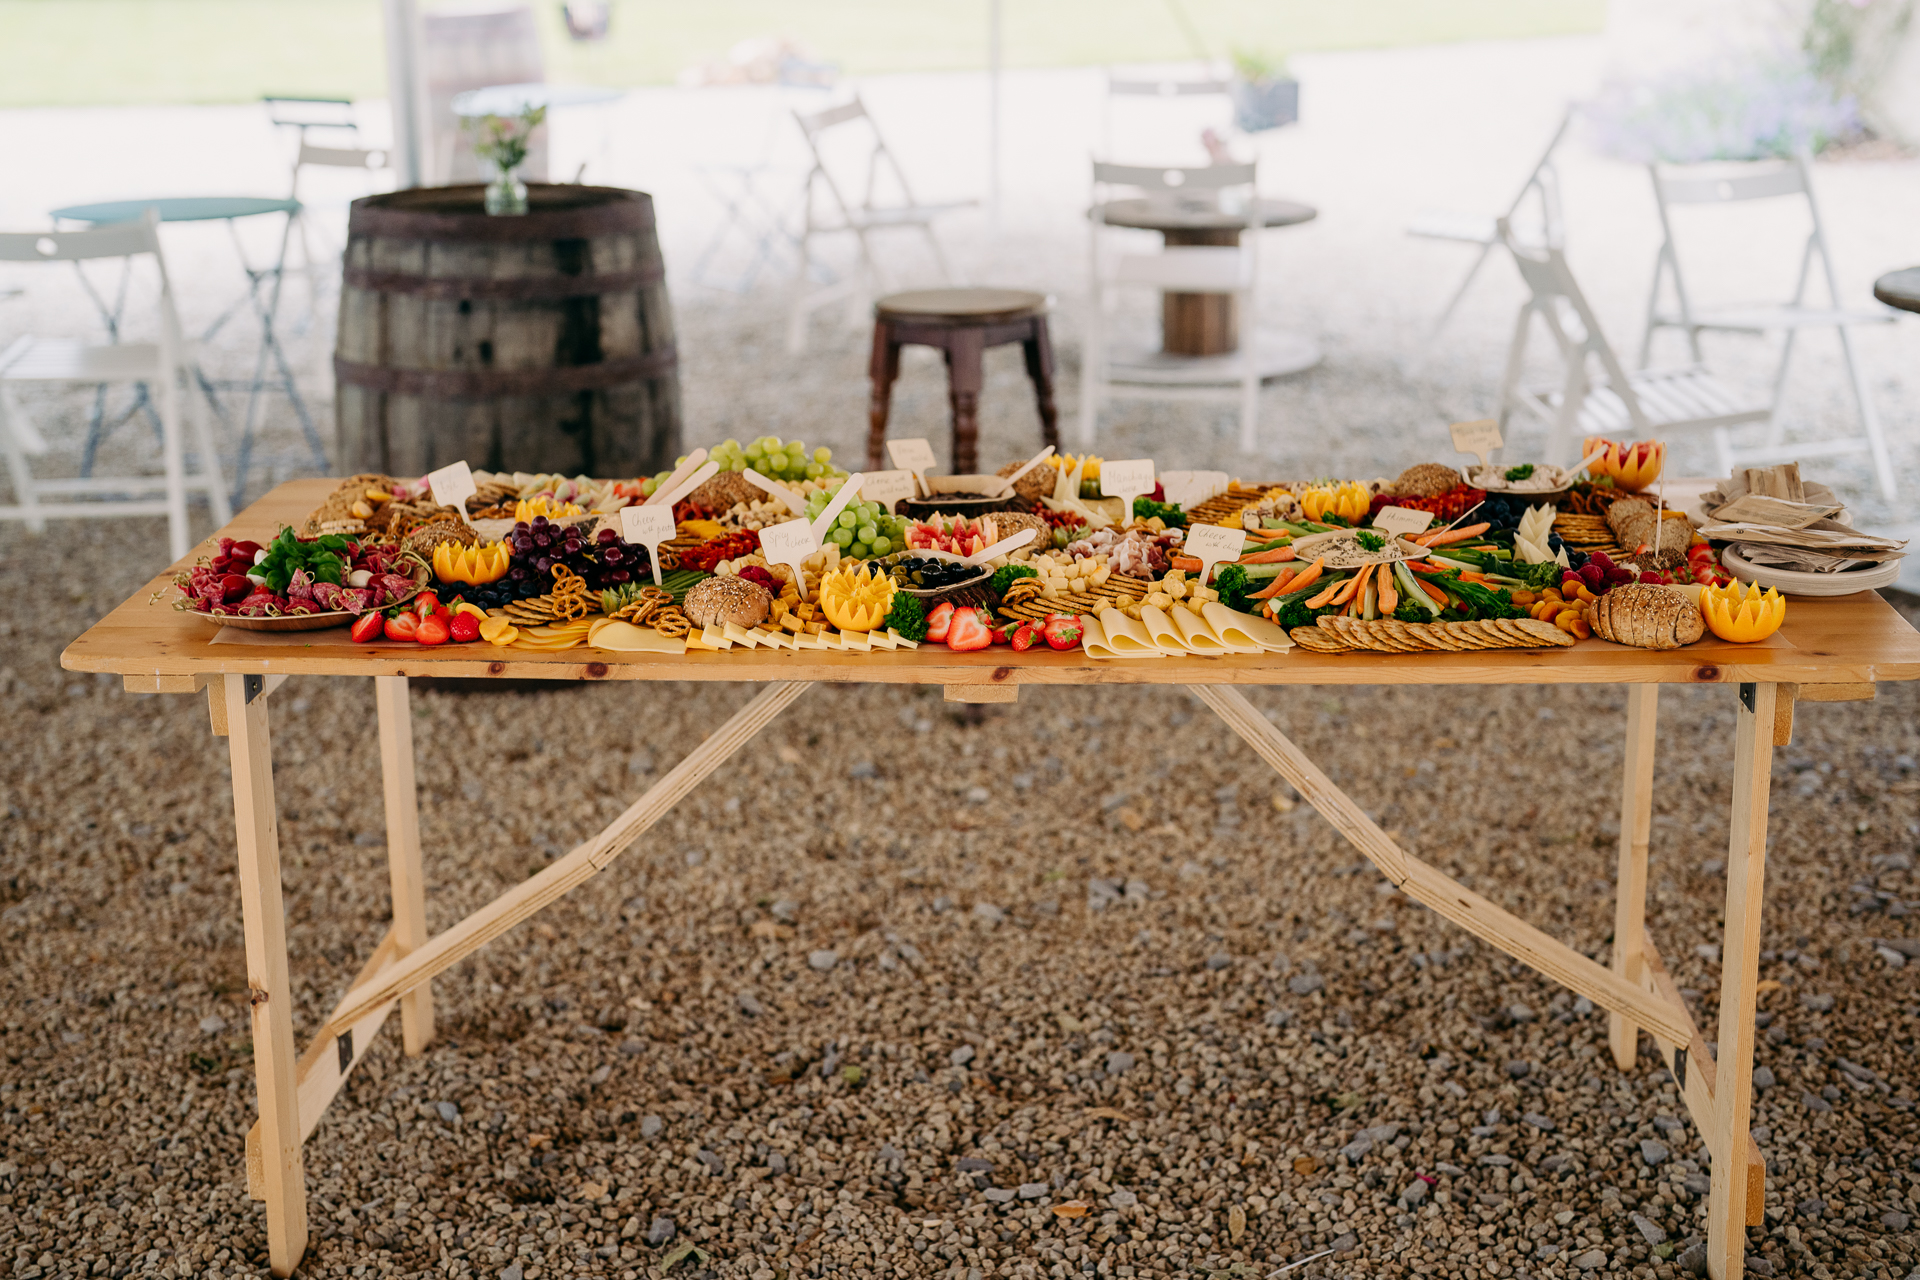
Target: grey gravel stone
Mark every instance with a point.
(659, 1231)
(512, 1271)
(987, 913)
(1305, 984)
(1539, 1121)
(1590, 1259)
(1519, 1068)
(1343, 1242)
(632, 1048)
(1119, 1062)
(961, 1056)
(1033, 1190)
(1123, 1199)
(1653, 1152)
(1415, 1194)
(1763, 1078)
(1692, 1259)
(823, 960)
(999, 1195)
(1814, 1102)
(651, 1126)
(213, 1024)
(862, 768)
(1818, 1003)
(1697, 1184)
(750, 1004)
(1649, 1230)
(1811, 1207)
(1219, 960)
(973, 1164)
(1894, 1220)
(448, 1111)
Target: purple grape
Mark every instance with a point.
(608, 535)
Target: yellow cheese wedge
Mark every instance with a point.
(740, 635)
(773, 639)
(1240, 628)
(901, 642)
(855, 640)
(715, 638)
(624, 637)
(1198, 635)
(829, 639)
(880, 639)
(808, 640)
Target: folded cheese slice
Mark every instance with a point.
(900, 641)
(880, 639)
(1238, 628)
(740, 635)
(715, 638)
(1125, 637)
(1160, 629)
(1198, 635)
(855, 640)
(624, 637)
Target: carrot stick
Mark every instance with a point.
(1187, 564)
(1278, 587)
(1421, 566)
(1354, 584)
(1330, 595)
(1439, 596)
(1468, 575)
(1274, 556)
(1446, 536)
(1309, 574)
(1389, 598)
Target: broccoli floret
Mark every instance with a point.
(1482, 603)
(1231, 582)
(1296, 614)
(909, 617)
(1005, 576)
(1410, 611)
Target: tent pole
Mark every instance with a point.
(993, 109)
(406, 91)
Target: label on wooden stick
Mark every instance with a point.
(452, 486)
(790, 544)
(1126, 479)
(648, 526)
(1210, 544)
(1402, 522)
(913, 455)
(1480, 437)
(886, 488)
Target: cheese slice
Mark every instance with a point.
(807, 640)
(715, 637)
(1126, 638)
(829, 639)
(773, 639)
(880, 639)
(901, 642)
(1198, 635)
(740, 635)
(624, 637)
(1161, 631)
(855, 640)
(1238, 628)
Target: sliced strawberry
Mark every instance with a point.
(403, 626)
(939, 620)
(967, 631)
(1024, 637)
(435, 629)
(367, 627)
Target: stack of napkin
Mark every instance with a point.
(1776, 519)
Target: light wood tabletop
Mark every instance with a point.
(1854, 639)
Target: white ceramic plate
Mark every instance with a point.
(1795, 583)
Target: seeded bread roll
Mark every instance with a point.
(1646, 617)
(1632, 521)
(724, 491)
(714, 602)
(1426, 480)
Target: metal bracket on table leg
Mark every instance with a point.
(1748, 691)
(344, 1043)
(254, 686)
(1680, 1067)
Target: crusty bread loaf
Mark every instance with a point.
(1632, 521)
(1646, 617)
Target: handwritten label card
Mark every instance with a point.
(1126, 479)
(790, 544)
(1402, 522)
(886, 487)
(1189, 488)
(648, 526)
(452, 486)
(1210, 544)
(1480, 437)
(913, 455)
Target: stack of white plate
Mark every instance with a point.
(1793, 582)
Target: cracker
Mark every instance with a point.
(1544, 632)
(1319, 641)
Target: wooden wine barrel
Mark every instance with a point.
(535, 343)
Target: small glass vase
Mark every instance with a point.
(506, 193)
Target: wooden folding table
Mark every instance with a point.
(1830, 650)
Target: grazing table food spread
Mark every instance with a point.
(764, 563)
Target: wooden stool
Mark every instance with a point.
(963, 323)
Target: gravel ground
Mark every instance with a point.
(882, 1004)
(860, 1009)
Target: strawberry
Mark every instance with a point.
(939, 620)
(403, 626)
(465, 627)
(1024, 637)
(426, 604)
(367, 627)
(967, 630)
(435, 629)
(1061, 631)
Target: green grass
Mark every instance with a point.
(79, 52)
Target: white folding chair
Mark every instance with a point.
(859, 218)
(1542, 187)
(1617, 403)
(1176, 268)
(1764, 180)
(165, 366)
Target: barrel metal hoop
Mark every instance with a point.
(481, 384)
(515, 289)
(442, 214)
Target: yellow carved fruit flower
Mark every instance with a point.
(855, 600)
(1349, 500)
(1632, 466)
(526, 509)
(1741, 612)
(475, 566)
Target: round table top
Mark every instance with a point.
(980, 304)
(512, 99)
(1199, 212)
(177, 209)
(1899, 289)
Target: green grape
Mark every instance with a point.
(814, 470)
(882, 545)
(860, 551)
(847, 521)
(867, 533)
(842, 537)
(755, 452)
(823, 454)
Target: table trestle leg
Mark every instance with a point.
(1630, 889)
(403, 852)
(560, 877)
(264, 919)
(1429, 885)
(1739, 979)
